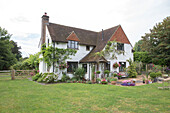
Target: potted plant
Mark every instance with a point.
(119, 75)
(97, 72)
(103, 81)
(113, 81)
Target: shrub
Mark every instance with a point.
(113, 79)
(40, 79)
(115, 75)
(73, 79)
(79, 74)
(68, 81)
(89, 82)
(153, 75)
(131, 69)
(65, 78)
(107, 72)
(50, 77)
(158, 74)
(36, 77)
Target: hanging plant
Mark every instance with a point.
(115, 65)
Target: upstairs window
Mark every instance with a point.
(120, 46)
(72, 44)
(87, 48)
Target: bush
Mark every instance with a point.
(89, 82)
(65, 78)
(36, 77)
(74, 80)
(153, 75)
(113, 79)
(115, 75)
(131, 69)
(158, 74)
(79, 74)
(68, 81)
(40, 79)
(49, 77)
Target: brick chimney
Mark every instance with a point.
(45, 22)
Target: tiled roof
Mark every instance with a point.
(61, 33)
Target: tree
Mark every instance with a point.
(138, 46)
(131, 69)
(15, 50)
(7, 58)
(143, 57)
(157, 43)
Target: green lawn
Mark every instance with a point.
(28, 96)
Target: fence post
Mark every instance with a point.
(13, 75)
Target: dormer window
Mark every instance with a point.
(120, 46)
(87, 48)
(72, 44)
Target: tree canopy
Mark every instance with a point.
(15, 50)
(7, 58)
(157, 42)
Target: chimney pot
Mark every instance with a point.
(45, 14)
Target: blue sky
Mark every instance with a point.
(22, 18)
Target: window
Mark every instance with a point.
(122, 66)
(108, 66)
(87, 48)
(120, 46)
(48, 42)
(85, 67)
(72, 44)
(72, 66)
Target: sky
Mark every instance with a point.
(22, 18)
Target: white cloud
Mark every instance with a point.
(22, 18)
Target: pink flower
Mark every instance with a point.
(103, 80)
(94, 72)
(119, 65)
(38, 71)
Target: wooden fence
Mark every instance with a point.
(17, 74)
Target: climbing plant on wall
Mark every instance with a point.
(55, 55)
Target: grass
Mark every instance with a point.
(27, 96)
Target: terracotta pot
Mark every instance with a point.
(113, 82)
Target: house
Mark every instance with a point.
(87, 43)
